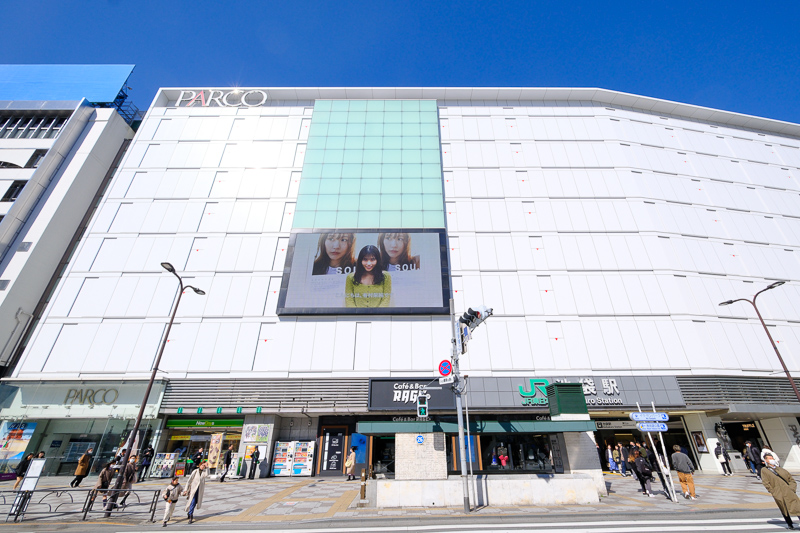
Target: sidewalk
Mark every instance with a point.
(303, 499)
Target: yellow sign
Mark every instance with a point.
(180, 437)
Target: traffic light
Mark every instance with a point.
(470, 318)
(422, 406)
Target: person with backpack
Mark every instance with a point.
(645, 474)
(783, 488)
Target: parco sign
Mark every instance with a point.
(217, 98)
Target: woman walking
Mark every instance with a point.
(350, 464)
(22, 467)
(645, 474)
(103, 482)
(194, 490)
(83, 468)
(783, 487)
(724, 459)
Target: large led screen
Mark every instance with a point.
(365, 272)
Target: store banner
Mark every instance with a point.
(214, 449)
(392, 394)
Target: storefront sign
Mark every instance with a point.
(332, 449)
(91, 396)
(217, 98)
(204, 423)
(401, 394)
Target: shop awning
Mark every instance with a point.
(479, 427)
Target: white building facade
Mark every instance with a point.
(602, 228)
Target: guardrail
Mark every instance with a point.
(51, 503)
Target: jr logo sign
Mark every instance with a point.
(536, 393)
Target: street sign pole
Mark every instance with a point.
(664, 469)
(669, 473)
(458, 388)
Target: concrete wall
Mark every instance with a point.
(420, 461)
(493, 490)
(580, 450)
(784, 436)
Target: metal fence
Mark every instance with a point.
(45, 504)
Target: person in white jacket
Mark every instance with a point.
(194, 490)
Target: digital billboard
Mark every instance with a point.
(342, 271)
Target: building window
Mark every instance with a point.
(14, 191)
(35, 159)
(31, 126)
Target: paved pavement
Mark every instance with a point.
(295, 502)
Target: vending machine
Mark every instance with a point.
(293, 458)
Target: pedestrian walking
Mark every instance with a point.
(83, 468)
(623, 459)
(103, 482)
(128, 479)
(685, 468)
(194, 490)
(754, 455)
(171, 495)
(21, 469)
(655, 466)
(645, 474)
(610, 459)
(226, 461)
(350, 464)
(616, 455)
(145, 462)
(724, 459)
(764, 451)
(254, 463)
(783, 488)
(195, 460)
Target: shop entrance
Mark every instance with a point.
(383, 455)
(621, 431)
(184, 438)
(741, 432)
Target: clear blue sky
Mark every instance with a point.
(738, 56)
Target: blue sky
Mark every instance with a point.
(736, 56)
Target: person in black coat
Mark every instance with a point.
(623, 459)
(22, 467)
(197, 458)
(724, 459)
(254, 463)
(754, 455)
(226, 461)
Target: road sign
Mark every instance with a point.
(445, 368)
(420, 439)
(651, 426)
(447, 379)
(650, 417)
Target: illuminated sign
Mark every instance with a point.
(218, 98)
(365, 272)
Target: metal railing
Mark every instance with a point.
(55, 503)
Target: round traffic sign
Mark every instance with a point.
(445, 368)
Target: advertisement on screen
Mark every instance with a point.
(365, 272)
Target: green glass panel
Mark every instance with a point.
(410, 117)
(350, 186)
(311, 170)
(321, 117)
(329, 186)
(430, 186)
(340, 105)
(314, 156)
(412, 170)
(433, 219)
(331, 171)
(411, 186)
(410, 143)
(347, 219)
(371, 186)
(392, 143)
(432, 202)
(318, 129)
(428, 129)
(348, 202)
(353, 142)
(370, 170)
(374, 117)
(356, 130)
(391, 186)
(391, 201)
(338, 117)
(370, 202)
(413, 219)
(306, 202)
(430, 170)
(392, 105)
(391, 219)
(392, 130)
(337, 130)
(429, 156)
(373, 143)
(308, 186)
(321, 105)
(351, 170)
(373, 130)
(303, 219)
(429, 118)
(357, 117)
(392, 156)
(410, 105)
(428, 105)
(369, 219)
(353, 156)
(334, 156)
(335, 143)
(392, 170)
(430, 143)
(411, 129)
(316, 143)
(411, 156)
(372, 156)
(412, 202)
(375, 105)
(358, 105)
(325, 219)
(328, 202)
(392, 117)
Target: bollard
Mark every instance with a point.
(363, 484)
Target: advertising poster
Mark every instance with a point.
(342, 272)
(14, 439)
(214, 448)
(257, 433)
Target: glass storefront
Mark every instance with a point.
(186, 437)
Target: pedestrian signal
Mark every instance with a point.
(422, 406)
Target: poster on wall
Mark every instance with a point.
(365, 272)
(14, 439)
(214, 448)
(700, 441)
(257, 433)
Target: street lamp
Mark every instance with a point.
(775, 346)
(132, 439)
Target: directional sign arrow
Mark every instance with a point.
(648, 427)
(649, 417)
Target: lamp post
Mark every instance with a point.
(774, 346)
(132, 438)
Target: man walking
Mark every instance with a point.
(144, 464)
(623, 459)
(754, 454)
(128, 474)
(254, 463)
(685, 469)
(83, 468)
(226, 461)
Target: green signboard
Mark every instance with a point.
(193, 423)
